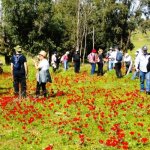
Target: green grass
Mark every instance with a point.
(84, 107)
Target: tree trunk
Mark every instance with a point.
(93, 38)
(128, 40)
(7, 59)
(85, 44)
(78, 23)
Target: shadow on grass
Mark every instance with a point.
(4, 90)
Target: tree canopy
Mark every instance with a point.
(66, 25)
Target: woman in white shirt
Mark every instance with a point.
(43, 75)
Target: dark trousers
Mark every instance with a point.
(76, 67)
(22, 82)
(38, 87)
(100, 69)
(118, 69)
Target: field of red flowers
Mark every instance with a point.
(84, 113)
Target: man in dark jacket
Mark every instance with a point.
(19, 72)
(76, 60)
(148, 77)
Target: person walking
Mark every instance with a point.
(118, 62)
(64, 60)
(76, 60)
(128, 63)
(141, 66)
(100, 62)
(19, 71)
(93, 59)
(43, 75)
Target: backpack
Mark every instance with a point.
(91, 58)
(119, 56)
(17, 64)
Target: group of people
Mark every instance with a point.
(64, 59)
(19, 70)
(114, 58)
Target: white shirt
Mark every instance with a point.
(43, 64)
(53, 58)
(112, 55)
(141, 62)
(127, 58)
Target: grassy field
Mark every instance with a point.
(84, 113)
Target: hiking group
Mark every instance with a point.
(114, 59)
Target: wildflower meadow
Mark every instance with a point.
(82, 112)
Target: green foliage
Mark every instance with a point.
(52, 25)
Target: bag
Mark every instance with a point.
(119, 56)
(17, 64)
(91, 58)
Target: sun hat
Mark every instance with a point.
(43, 53)
(18, 48)
(67, 52)
(93, 50)
(110, 48)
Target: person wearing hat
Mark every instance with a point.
(76, 60)
(141, 67)
(43, 75)
(111, 58)
(93, 59)
(100, 62)
(118, 55)
(19, 70)
(64, 60)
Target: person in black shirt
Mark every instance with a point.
(100, 62)
(19, 72)
(148, 77)
(76, 60)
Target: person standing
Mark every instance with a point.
(76, 60)
(93, 59)
(19, 71)
(118, 62)
(148, 78)
(54, 62)
(100, 62)
(43, 75)
(64, 60)
(128, 63)
(111, 59)
(141, 66)
(135, 73)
